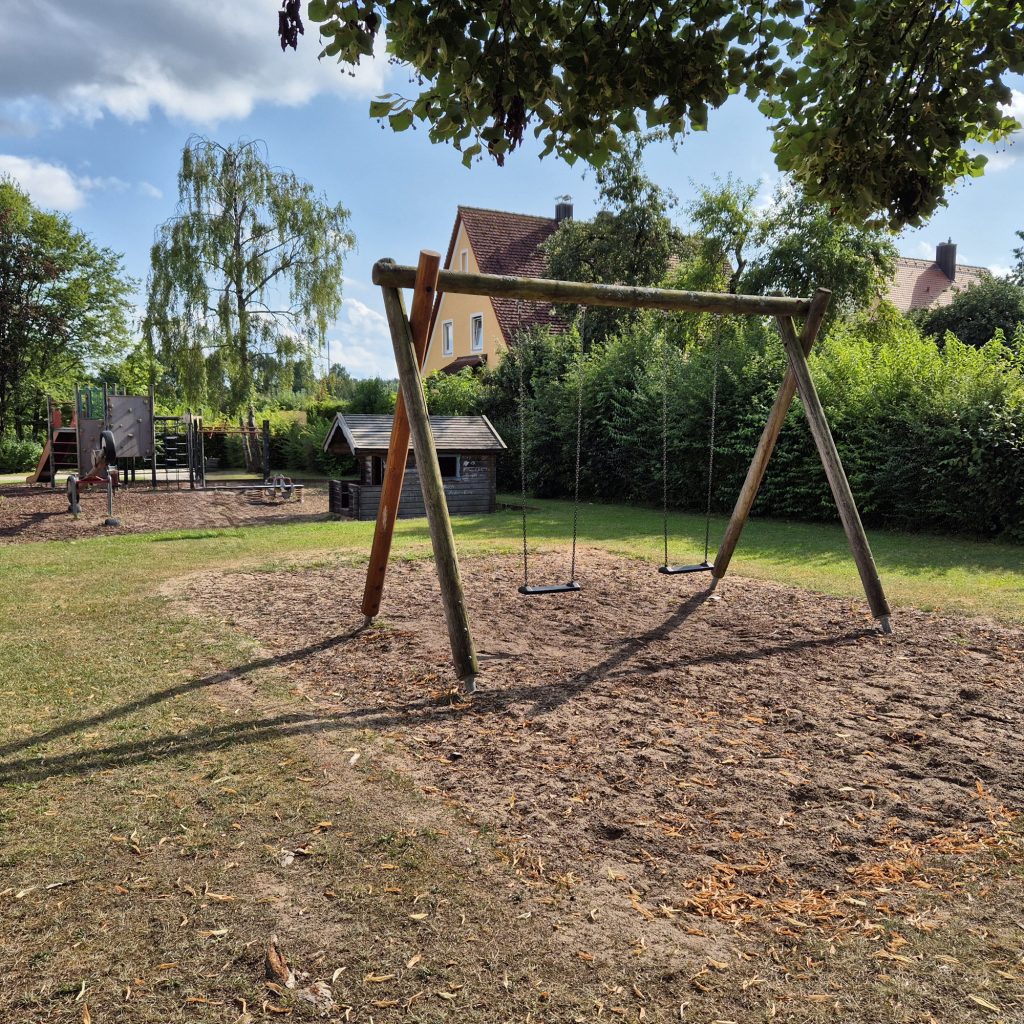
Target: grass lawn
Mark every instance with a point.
(141, 883)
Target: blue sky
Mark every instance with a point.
(97, 99)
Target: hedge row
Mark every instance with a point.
(932, 437)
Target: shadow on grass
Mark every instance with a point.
(547, 698)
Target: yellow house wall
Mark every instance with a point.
(459, 309)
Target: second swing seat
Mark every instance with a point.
(555, 588)
(679, 570)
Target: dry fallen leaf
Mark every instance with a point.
(414, 961)
(275, 967)
(984, 1002)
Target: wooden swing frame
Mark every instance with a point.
(409, 335)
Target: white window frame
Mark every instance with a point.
(448, 337)
(476, 342)
(464, 261)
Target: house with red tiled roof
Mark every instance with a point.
(476, 330)
(918, 284)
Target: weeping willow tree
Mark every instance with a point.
(249, 266)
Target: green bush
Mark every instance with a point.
(18, 456)
(931, 437)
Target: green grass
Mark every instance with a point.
(933, 573)
(102, 678)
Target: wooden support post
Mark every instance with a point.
(837, 480)
(429, 470)
(398, 448)
(769, 436)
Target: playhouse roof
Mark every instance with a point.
(365, 434)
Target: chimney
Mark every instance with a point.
(563, 209)
(945, 257)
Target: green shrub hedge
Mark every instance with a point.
(18, 456)
(931, 437)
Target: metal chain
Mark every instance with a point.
(579, 440)
(711, 442)
(664, 444)
(522, 460)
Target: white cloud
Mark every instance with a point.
(767, 185)
(49, 185)
(998, 270)
(364, 346)
(924, 250)
(54, 187)
(1015, 108)
(200, 61)
(999, 161)
(150, 191)
(108, 183)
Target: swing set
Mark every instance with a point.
(409, 334)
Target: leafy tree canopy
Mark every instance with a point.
(791, 246)
(245, 277)
(63, 306)
(632, 240)
(1017, 273)
(976, 313)
(874, 104)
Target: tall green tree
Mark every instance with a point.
(977, 312)
(790, 246)
(632, 240)
(1017, 272)
(874, 104)
(801, 246)
(251, 264)
(63, 307)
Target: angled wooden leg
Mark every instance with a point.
(429, 470)
(398, 447)
(769, 436)
(837, 480)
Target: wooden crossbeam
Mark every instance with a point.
(575, 293)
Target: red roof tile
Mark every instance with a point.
(918, 284)
(510, 244)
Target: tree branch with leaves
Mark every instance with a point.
(875, 105)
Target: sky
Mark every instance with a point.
(97, 100)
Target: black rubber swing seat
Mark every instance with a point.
(680, 570)
(555, 588)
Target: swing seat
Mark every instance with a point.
(679, 570)
(555, 588)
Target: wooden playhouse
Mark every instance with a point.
(467, 448)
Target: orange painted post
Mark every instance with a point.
(398, 449)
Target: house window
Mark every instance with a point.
(376, 471)
(476, 332)
(464, 261)
(447, 338)
(451, 466)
